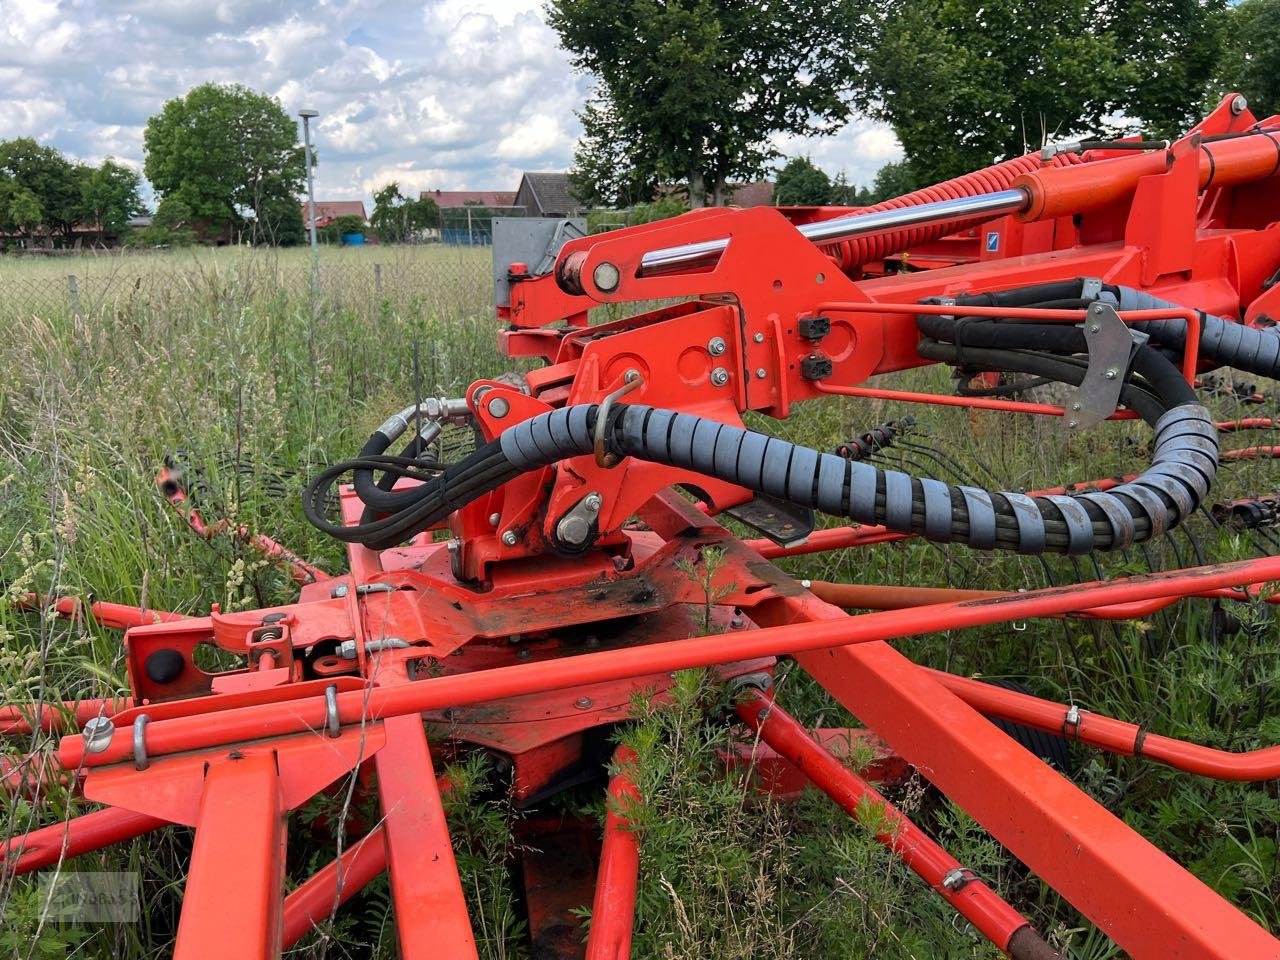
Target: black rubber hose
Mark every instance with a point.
(1223, 342)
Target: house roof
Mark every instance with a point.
(758, 194)
(552, 192)
(327, 210)
(461, 198)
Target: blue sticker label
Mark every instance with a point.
(993, 242)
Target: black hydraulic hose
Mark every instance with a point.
(1163, 376)
(1223, 342)
(1184, 462)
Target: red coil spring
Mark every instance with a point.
(852, 253)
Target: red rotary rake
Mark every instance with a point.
(1118, 268)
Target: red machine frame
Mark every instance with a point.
(502, 640)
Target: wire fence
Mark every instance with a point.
(449, 282)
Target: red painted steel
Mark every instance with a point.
(971, 897)
(316, 900)
(49, 845)
(613, 910)
(237, 864)
(358, 706)
(1116, 736)
(502, 641)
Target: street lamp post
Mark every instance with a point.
(307, 115)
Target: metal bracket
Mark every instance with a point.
(1112, 345)
(783, 522)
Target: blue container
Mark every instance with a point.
(353, 239)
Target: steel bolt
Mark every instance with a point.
(341, 590)
(1239, 104)
(1094, 328)
(583, 703)
(1072, 424)
(716, 346)
(592, 501)
(523, 654)
(719, 376)
(1112, 373)
(510, 538)
(1075, 406)
(606, 277)
(499, 407)
(758, 338)
(761, 373)
(573, 530)
(97, 734)
(495, 519)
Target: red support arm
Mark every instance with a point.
(972, 899)
(614, 909)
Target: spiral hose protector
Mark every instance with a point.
(1182, 470)
(856, 251)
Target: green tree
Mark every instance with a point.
(54, 181)
(110, 196)
(281, 223)
(1251, 56)
(400, 219)
(801, 184)
(228, 153)
(19, 207)
(966, 82)
(172, 226)
(892, 180)
(692, 90)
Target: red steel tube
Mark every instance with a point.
(333, 885)
(613, 910)
(858, 250)
(1115, 736)
(873, 596)
(1058, 192)
(972, 898)
(18, 719)
(117, 615)
(356, 706)
(62, 841)
(1251, 453)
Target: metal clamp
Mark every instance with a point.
(140, 761)
(332, 726)
(957, 878)
(1071, 723)
(631, 380)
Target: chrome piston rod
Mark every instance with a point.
(982, 206)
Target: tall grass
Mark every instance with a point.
(225, 355)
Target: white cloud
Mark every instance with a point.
(448, 94)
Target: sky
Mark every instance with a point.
(442, 94)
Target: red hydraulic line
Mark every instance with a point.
(53, 718)
(333, 885)
(613, 911)
(874, 596)
(1247, 423)
(1107, 733)
(972, 898)
(1250, 453)
(838, 538)
(356, 706)
(62, 841)
(117, 615)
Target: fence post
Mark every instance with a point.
(74, 290)
(377, 279)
